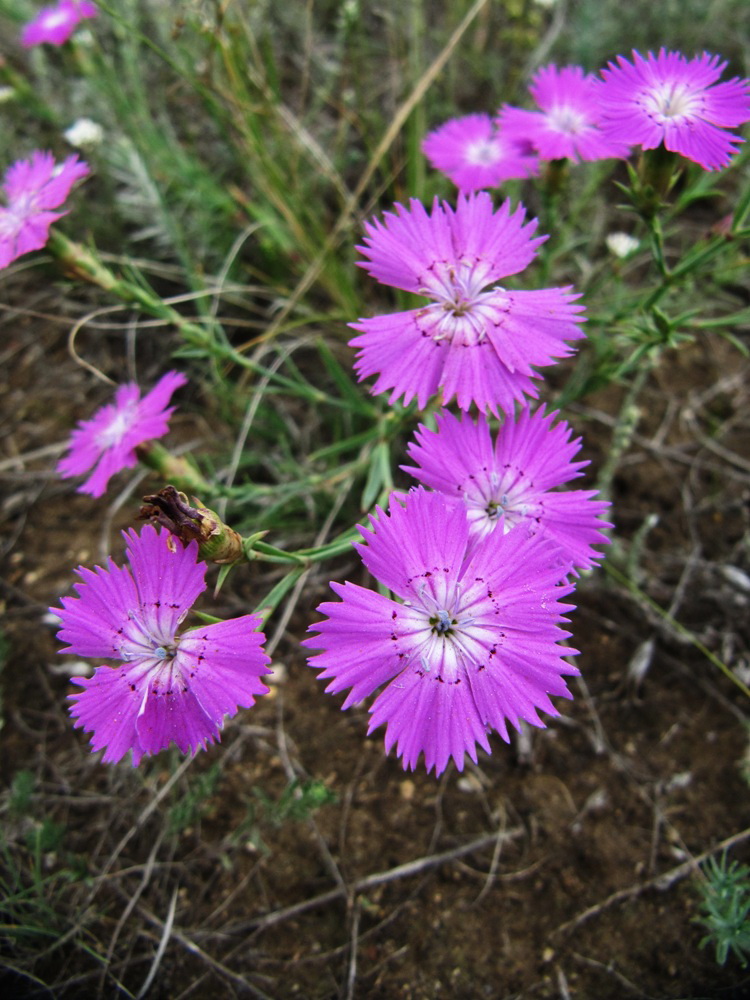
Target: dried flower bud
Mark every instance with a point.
(217, 542)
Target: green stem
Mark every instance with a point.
(256, 549)
(627, 422)
(84, 264)
(275, 596)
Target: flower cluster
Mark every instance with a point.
(471, 640)
(653, 100)
(33, 188)
(481, 555)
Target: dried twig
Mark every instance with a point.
(660, 882)
(371, 881)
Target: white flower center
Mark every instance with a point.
(493, 498)
(671, 100)
(447, 638)
(56, 19)
(461, 312)
(483, 152)
(565, 119)
(118, 427)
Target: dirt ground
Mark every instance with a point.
(562, 866)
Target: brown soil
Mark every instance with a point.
(581, 879)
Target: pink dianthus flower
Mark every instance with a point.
(32, 188)
(474, 154)
(470, 643)
(567, 125)
(510, 484)
(474, 340)
(675, 101)
(167, 687)
(107, 441)
(57, 23)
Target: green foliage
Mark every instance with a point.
(298, 801)
(35, 873)
(725, 902)
(193, 801)
(21, 790)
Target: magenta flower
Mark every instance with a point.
(473, 154)
(675, 101)
(567, 125)
(469, 644)
(167, 688)
(56, 24)
(509, 484)
(107, 441)
(475, 340)
(33, 187)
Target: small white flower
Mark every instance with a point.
(622, 244)
(6, 94)
(84, 132)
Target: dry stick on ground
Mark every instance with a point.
(320, 957)
(371, 881)
(361, 885)
(660, 882)
(196, 950)
(145, 879)
(351, 975)
(609, 969)
(164, 941)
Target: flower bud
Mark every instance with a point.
(217, 542)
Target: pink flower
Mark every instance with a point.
(675, 101)
(167, 687)
(474, 340)
(567, 125)
(107, 441)
(473, 154)
(33, 187)
(470, 644)
(510, 484)
(56, 24)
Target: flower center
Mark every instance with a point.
(566, 119)
(495, 497)
(56, 19)
(166, 652)
(483, 152)
(118, 426)
(461, 312)
(442, 623)
(671, 100)
(496, 508)
(445, 633)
